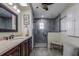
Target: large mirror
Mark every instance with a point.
(8, 20)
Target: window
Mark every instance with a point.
(41, 25)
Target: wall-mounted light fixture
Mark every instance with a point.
(15, 7)
(18, 10)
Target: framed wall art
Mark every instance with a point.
(26, 19)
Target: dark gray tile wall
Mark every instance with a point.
(51, 25)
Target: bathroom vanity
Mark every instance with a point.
(16, 47)
(11, 24)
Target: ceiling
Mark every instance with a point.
(22, 8)
(53, 10)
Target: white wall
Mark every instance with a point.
(66, 12)
(24, 29)
(72, 9)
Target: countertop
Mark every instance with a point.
(6, 45)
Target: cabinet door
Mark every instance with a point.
(22, 49)
(29, 45)
(13, 52)
(26, 48)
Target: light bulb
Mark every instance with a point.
(18, 10)
(15, 7)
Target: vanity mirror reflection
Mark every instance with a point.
(8, 20)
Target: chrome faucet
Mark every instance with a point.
(11, 36)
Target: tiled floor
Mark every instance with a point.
(45, 52)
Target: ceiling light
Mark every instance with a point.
(15, 7)
(18, 10)
(10, 3)
(23, 4)
(45, 5)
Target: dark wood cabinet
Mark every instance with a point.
(29, 46)
(13, 52)
(23, 49)
(26, 48)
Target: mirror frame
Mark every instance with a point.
(11, 30)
